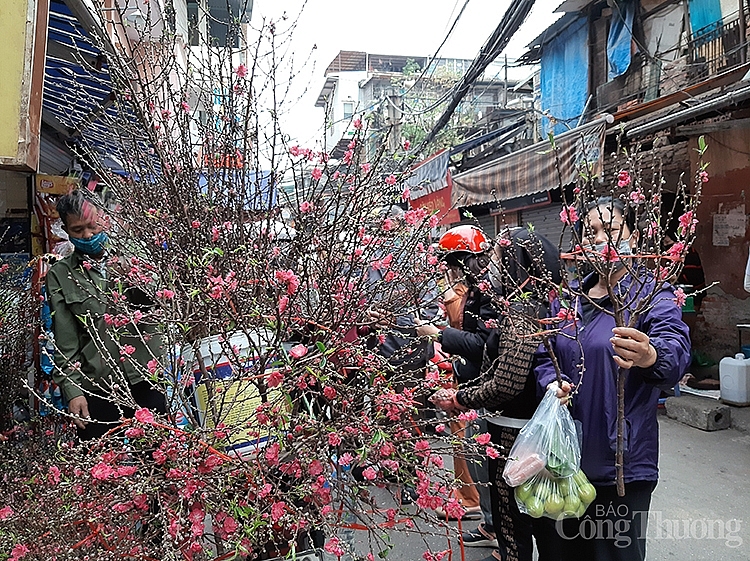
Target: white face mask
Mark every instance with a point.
(623, 250)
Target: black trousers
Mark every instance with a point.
(613, 528)
(101, 409)
(516, 531)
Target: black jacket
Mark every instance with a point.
(468, 342)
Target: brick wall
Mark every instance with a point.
(727, 304)
(674, 158)
(715, 331)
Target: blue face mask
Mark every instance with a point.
(93, 245)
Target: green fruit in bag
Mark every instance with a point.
(587, 493)
(580, 478)
(523, 492)
(535, 507)
(564, 486)
(542, 489)
(554, 505)
(571, 505)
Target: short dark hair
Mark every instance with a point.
(75, 203)
(616, 205)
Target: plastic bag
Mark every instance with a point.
(555, 497)
(548, 441)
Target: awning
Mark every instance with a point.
(533, 169)
(77, 86)
(78, 97)
(429, 175)
(713, 103)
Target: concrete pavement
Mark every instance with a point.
(700, 509)
(705, 485)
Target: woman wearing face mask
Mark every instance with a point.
(656, 351)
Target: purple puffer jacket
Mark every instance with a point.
(595, 404)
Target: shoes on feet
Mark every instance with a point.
(408, 495)
(479, 538)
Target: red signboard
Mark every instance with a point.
(440, 201)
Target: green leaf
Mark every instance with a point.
(321, 347)
(701, 144)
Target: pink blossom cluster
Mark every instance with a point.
(288, 279)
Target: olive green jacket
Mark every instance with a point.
(88, 352)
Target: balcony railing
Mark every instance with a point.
(709, 51)
(716, 48)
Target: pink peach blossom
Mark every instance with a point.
(680, 297)
(144, 416)
(298, 351)
(369, 473)
(569, 215)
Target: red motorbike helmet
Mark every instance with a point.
(464, 238)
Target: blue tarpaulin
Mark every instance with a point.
(620, 38)
(565, 77)
(256, 187)
(704, 16)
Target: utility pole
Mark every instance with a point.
(505, 84)
(394, 121)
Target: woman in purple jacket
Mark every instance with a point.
(657, 352)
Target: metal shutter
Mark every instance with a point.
(54, 158)
(546, 221)
(487, 224)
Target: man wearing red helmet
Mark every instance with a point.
(465, 251)
(507, 386)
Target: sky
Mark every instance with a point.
(392, 27)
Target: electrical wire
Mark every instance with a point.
(498, 40)
(430, 65)
(442, 43)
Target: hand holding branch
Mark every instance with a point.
(562, 391)
(79, 408)
(426, 328)
(445, 399)
(632, 348)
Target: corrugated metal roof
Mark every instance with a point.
(77, 85)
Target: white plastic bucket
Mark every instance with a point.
(734, 377)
